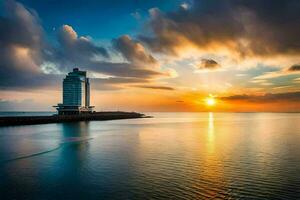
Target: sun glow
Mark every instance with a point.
(210, 101)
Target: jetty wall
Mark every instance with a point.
(96, 116)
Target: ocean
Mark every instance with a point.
(170, 156)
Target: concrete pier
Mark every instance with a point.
(96, 116)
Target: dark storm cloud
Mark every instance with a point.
(248, 27)
(27, 58)
(294, 68)
(208, 64)
(267, 98)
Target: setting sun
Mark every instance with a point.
(210, 101)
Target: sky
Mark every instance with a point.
(153, 55)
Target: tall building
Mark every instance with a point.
(76, 94)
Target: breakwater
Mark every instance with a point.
(96, 116)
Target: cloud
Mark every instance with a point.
(136, 14)
(133, 51)
(73, 50)
(139, 64)
(294, 68)
(247, 28)
(22, 46)
(72, 45)
(155, 87)
(115, 83)
(126, 70)
(185, 6)
(22, 105)
(28, 60)
(208, 64)
(20, 26)
(266, 98)
(297, 79)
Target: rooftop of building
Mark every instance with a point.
(77, 72)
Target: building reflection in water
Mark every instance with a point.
(76, 129)
(74, 151)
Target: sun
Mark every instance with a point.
(210, 101)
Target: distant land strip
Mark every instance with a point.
(96, 116)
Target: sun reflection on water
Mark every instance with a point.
(211, 132)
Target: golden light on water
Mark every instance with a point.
(211, 131)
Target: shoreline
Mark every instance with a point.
(96, 116)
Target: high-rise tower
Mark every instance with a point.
(76, 94)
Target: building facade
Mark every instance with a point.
(76, 94)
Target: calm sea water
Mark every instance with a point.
(170, 156)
